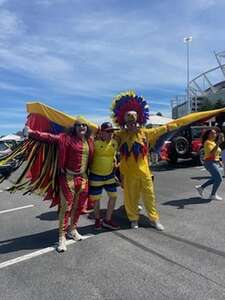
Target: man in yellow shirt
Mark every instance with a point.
(102, 175)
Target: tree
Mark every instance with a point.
(159, 114)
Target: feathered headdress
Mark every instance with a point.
(129, 101)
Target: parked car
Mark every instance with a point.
(185, 144)
(4, 149)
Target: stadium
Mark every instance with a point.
(208, 88)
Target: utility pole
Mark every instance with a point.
(187, 41)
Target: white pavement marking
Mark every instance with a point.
(36, 253)
(16, 208)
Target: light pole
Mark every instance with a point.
(187, 41)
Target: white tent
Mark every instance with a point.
(155, 120)
(11, 137)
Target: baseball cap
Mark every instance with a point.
(107, 126)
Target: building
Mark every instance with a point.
(208, 86)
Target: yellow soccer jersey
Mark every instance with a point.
(208, 147)
(104, 156)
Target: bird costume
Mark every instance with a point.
(134, 144)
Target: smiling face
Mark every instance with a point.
(131, 119)
(106, 135)
(80, 129)
(212, 135)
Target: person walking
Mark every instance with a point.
(211, 141)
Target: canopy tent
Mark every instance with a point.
(155, 120)
(11, 137)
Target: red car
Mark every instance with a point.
(185, 144)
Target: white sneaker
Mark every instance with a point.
(134, 224)
(62, 244)
(216, 197)
(74, 234)
(157, 225)
(140, 207)
(199, 190)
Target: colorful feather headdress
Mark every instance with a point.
(129, 101)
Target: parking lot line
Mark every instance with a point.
(25, 257)
(16, 208)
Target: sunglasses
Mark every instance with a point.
(81, 125)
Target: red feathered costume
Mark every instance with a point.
(74, 155)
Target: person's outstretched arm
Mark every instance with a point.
(43, 136)
(153, 134)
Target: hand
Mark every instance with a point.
(220, 138)
(171, 127)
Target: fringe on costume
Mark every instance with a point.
(40, 173)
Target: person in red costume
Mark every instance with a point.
(75, 152)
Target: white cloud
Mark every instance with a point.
(12, 113)
(10, 25)
(15, 88)
(49, 2)
(100, 53)
(97, 119)
(205, 4)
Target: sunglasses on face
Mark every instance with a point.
(81, 125)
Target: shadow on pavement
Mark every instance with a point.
(48, 216)
(181, 203)
(164, 166)
(200, 177)
(120, 217)
(34, 241)
(49, 238)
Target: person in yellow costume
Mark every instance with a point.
(131, 112)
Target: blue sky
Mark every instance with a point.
(75, 55)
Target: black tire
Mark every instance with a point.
(181, 145)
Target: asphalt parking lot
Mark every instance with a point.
(186, 261)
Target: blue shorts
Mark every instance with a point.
(97, 183)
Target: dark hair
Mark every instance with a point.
(206, 134)
(72, 131)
